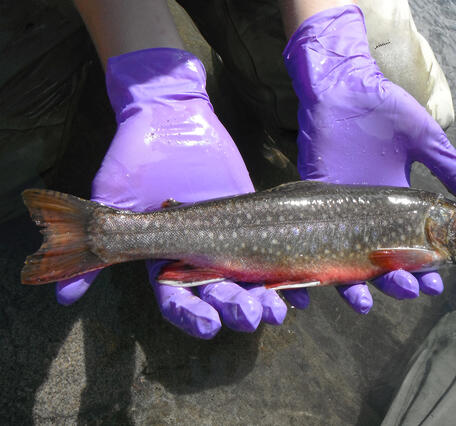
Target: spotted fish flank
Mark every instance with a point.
(298, 234)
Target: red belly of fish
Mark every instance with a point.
(325, 273)
(330, 274)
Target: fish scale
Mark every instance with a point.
(300, 232)
(304, 218)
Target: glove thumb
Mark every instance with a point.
(69, 291)
(438, 155)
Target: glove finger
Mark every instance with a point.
(299, 298)
(357, 296)
(439, 155)
(182, 308)
(399, 284)
(239, 310)
(274, 308)
(69, 291)
(430, 282)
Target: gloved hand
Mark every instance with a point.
(357, 127)
(170, 144)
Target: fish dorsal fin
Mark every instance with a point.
(410, 259)
(170, 202)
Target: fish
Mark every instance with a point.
(299, 234)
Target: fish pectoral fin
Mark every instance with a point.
(410, 259)
(291, 284)
(181, 274)
(170, 202)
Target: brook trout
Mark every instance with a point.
(299, 234)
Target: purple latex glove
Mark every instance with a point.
(357, 127)
(170, 144)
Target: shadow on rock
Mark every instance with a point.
(47, 358)
(32, 328)
(125, 337)
(383, 388)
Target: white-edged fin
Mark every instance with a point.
(290, 285)
(189, 284)
(412, 259)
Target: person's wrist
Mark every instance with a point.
(337, 27)
(294, 12)
(326, 49)
(146, 75)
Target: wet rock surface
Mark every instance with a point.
(112, 359)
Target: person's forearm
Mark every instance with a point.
(119, 26)
(294, 12)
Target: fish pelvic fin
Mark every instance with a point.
(65, 251)
(286, 285)
(181, 274)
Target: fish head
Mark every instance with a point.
(451, 238)
(441, 228)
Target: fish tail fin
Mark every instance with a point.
(65, 251)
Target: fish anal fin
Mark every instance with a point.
(181, 274)
(284, 285)
(410, 259)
